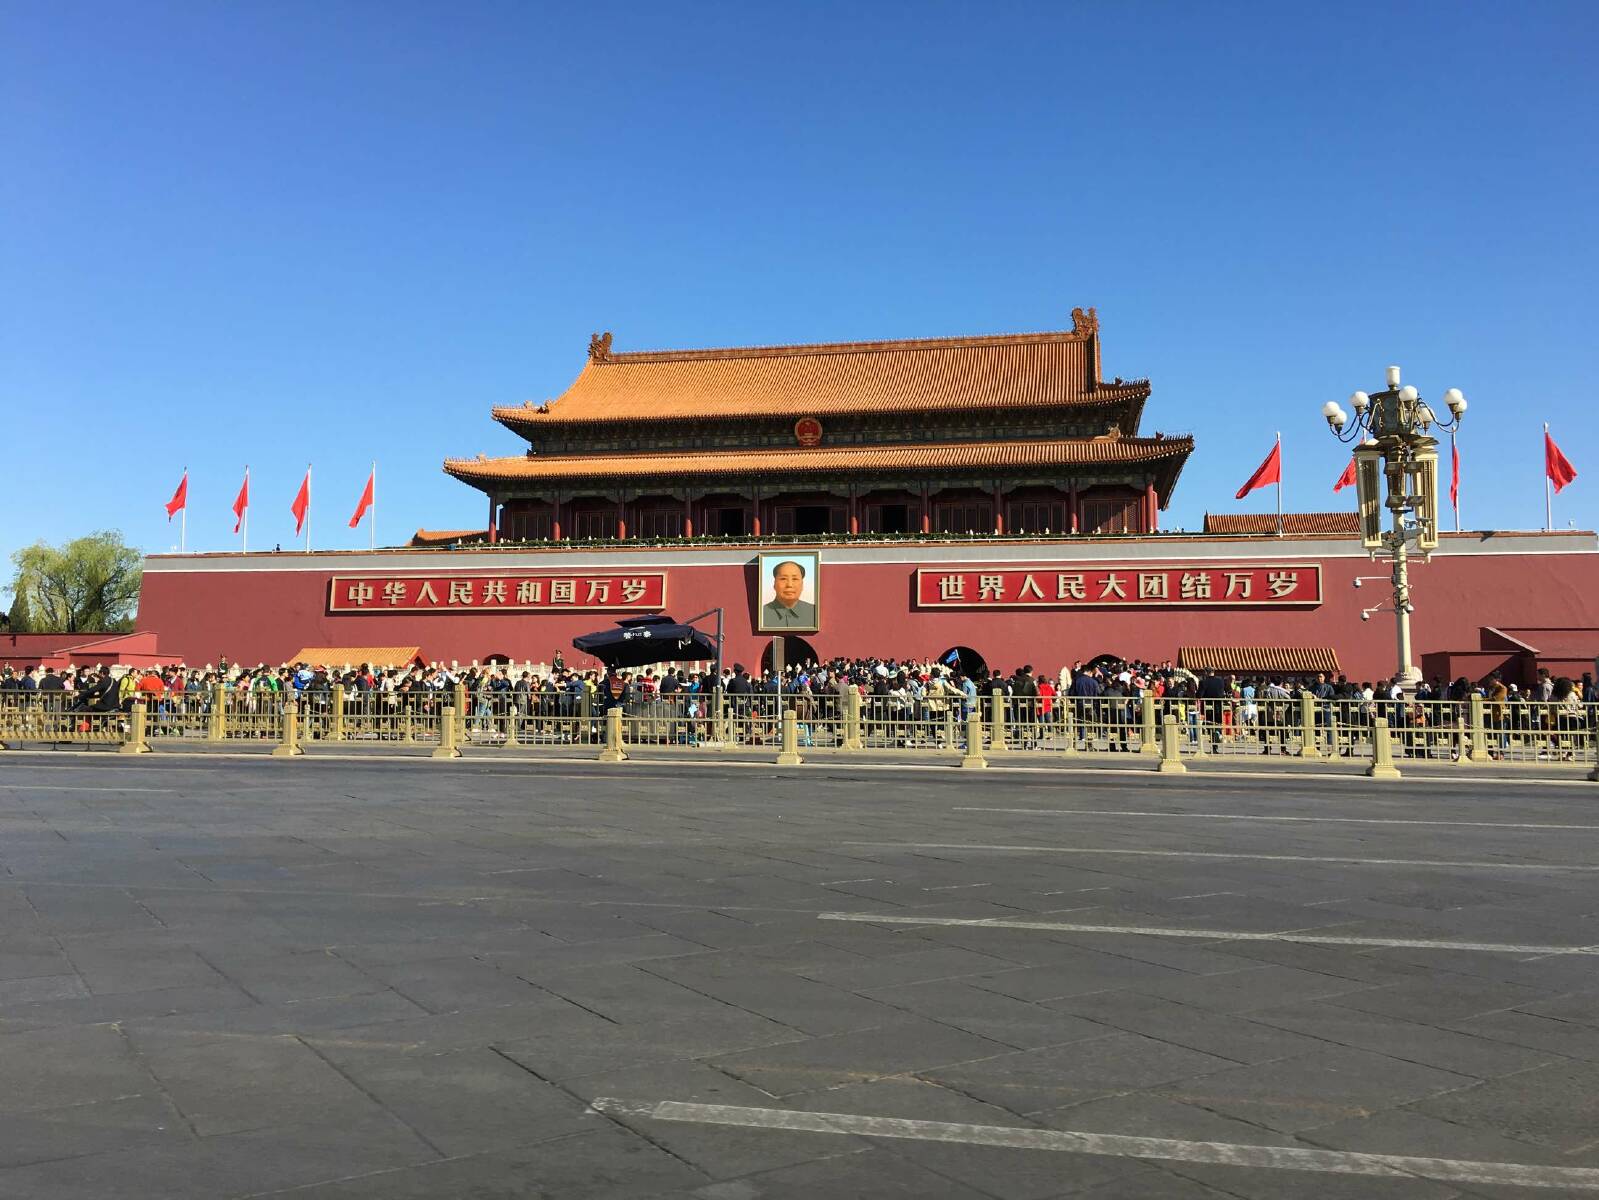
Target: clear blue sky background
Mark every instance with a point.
(273, 233)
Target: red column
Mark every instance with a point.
(1151, 509)
(755, 516)
(927, 511)
(999, 511)
(688, 518)
(555, 519)
(621, 521)
(1071, 501)
(854, 513)
(494, 522)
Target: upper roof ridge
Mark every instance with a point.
(1085, 325)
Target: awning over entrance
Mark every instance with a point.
(1260, 660)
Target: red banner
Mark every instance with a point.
(1255, 585)
(633, 591)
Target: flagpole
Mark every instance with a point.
(1548, 490)
(1454, 458)
(308, 508)
(1279, 483)
(244, 546)
(372, 515)
(183, 524)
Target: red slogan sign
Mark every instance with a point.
(1255, 585)
(637, 591)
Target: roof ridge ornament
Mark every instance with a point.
(1085, 321)
(600, 347)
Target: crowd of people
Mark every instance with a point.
(1102, 695)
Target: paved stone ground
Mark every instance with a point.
(328, 979)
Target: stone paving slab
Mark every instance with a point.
(1013, 1023)
(463, 1102)
(351, 979)
(1412, 1041)
(1561, 1039)
(1554, 1105)
(1317, 1088)
(99, 1127)
(248, 1163)
(1031, 1081)
(899, 1045)
(721, 1152)
(1224, 1035)
(55, 1068)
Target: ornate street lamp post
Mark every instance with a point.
(1390, 430)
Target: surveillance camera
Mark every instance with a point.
(1365, 616)
(1357, 583)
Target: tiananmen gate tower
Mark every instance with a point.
(991, 495)
(946, 435)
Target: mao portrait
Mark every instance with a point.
(789, 592)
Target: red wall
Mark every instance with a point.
(21, 650)
(205, 607)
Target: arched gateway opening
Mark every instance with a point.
(795, 650)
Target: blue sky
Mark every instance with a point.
(273, 233)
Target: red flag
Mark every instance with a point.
(1270, 471)
(180, 498)
(1454, 475)
(241, 503)
(366, 502)
(302, 502)
(1347, 479)
(1555, 464)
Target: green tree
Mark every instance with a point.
(89, 585)
(18, 620)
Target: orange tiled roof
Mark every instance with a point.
(1314, 522)
(924, 375)
(947, 456)
(448, 537)
(338, 656)
(1262, 660)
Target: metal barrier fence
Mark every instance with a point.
(1070, 724)
(183, 714)
(57, 718)
(509, 719)
(252, 715)
(377, 718)
(1438, 731)
(1263, 726)
(909, 723)
(676, 719)
(1533, 732)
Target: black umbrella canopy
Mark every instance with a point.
(639, 641)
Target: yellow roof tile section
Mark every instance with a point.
(446, 537)
(1311, 522)
(926, 375)
(1265, 660)
(339, 656)
(835, 459)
